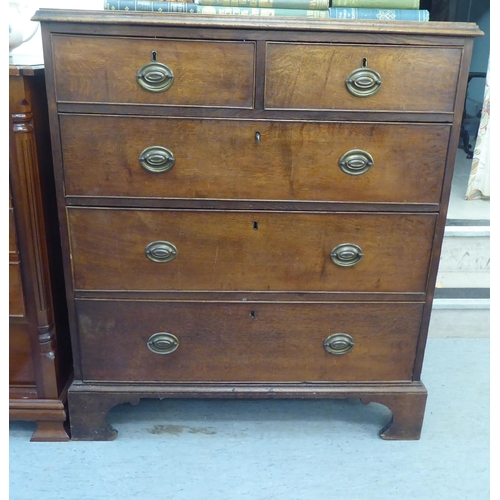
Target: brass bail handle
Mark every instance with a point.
(161, 251)
(364, 81)
(155, 76)
(162, 343)
(346, 255)
(338, 343)
(157, 159)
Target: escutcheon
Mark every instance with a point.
(338, 343)
(163, 343)
(161, 251)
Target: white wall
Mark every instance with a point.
(34, 46)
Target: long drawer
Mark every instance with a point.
(184, 341)
(384, 78)
(124, 249)
(246, 159)
(154, 71)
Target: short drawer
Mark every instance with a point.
(121, 70)
(126, 249)
(313, 76)
(16, 299)
(217, 342)
(245, 159)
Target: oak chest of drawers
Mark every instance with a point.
(251, 208)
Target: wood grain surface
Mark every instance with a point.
(247, 342)
(224, 250)
(206, 73)
(221, 159)
(413, 78)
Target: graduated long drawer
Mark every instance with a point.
(125, 249)
(217, 342)
(248, 159)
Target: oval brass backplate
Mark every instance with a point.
(157, 159)
(155, 77)
(338, 343)
(346, 255)
(356, 162)
(161, 251)
(363, 82)
(163, 343)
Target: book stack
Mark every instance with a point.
(382, 10)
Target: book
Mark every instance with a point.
(242, 11)
(380, 14)
(149, 6)
(377, 4)
(270, 4)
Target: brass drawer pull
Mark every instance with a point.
(163, 343)
(338, 343)
(346, 255)
(161, 251)
(155, 77)
(157, 159)
(355, 162)
(363, 82)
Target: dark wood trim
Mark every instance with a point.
(248, 296)
(90, 403)
(256, 114)
(59, 192)
(445, 198)
(245, 205)
(440, 29)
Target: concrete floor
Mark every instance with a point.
(262, 450)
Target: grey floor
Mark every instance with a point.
(319, 450)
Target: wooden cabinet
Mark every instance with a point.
(251, 209)
(39, 351)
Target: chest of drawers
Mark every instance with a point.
(249, 208)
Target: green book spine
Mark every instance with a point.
(242, 11)
(149, 6)
(380, 14)
(270, 4)
(377, 4)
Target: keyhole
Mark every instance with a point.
(253, 315)
(363, 63)
(255, 225)
(153, 55)
(257, 138)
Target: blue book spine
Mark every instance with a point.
(379, 14)
(149, 6)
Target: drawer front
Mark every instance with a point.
(222, 159)
(21, 370)
(16, 299)
(246, 342)
(105, 70)
(249, 251)
(313, 76)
